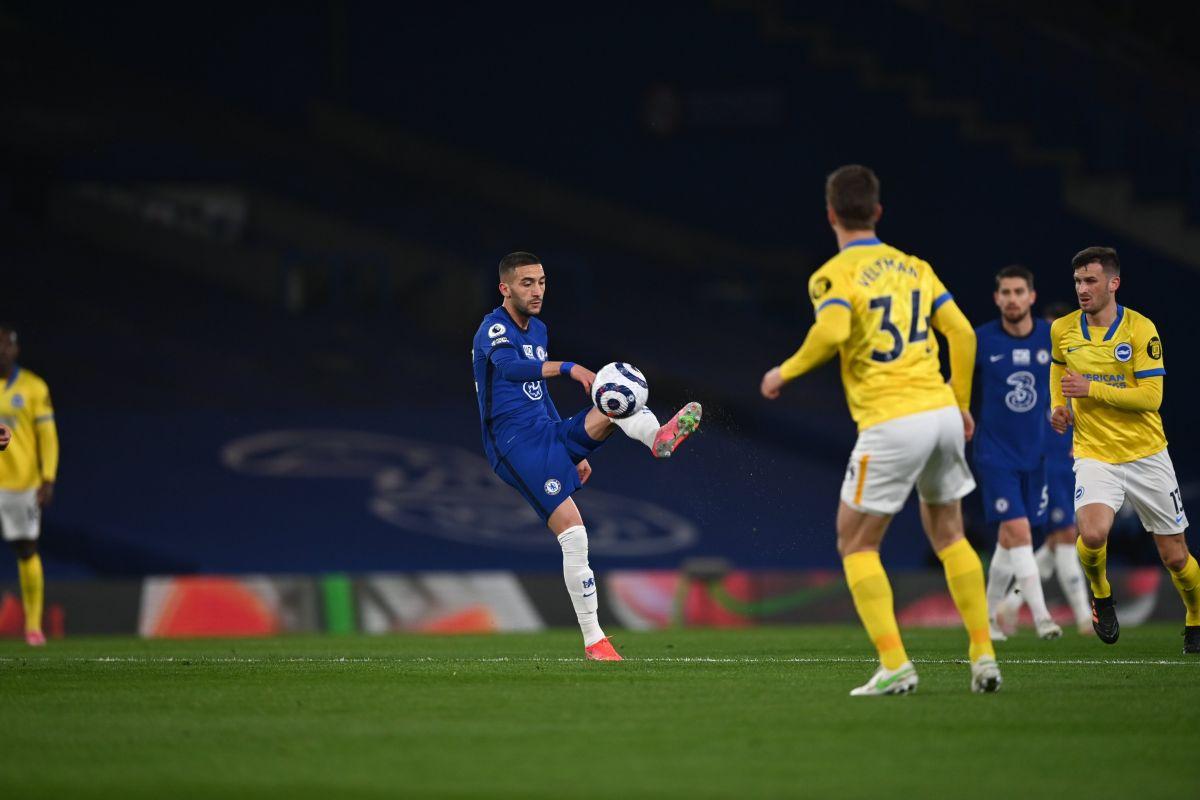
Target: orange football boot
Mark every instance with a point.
(602, 651)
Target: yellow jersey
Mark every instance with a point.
(32, 456)
(889, 365)
(1120, 356)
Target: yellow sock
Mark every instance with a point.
(1187, 581)
(1093, 562)
(873, 599)
(964, 577)
(32, 589)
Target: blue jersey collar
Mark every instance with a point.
(1112, 329)
(13, 377)
(862, 242)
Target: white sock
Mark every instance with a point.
(641, 427)
(581, 583)
(1074, 585)
(1012, 601)
(1044, 556)
(1025, 567)
(1000, 575)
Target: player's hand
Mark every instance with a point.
(5, 436)
(1060, 419)
(45, 494)
(772, 383)
(584, 376)
(968, 425)
(585, 471)
(1075, 385)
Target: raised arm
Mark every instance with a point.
(826, 335)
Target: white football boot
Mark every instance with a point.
(985, 675)
(994, 629)
(901, 680)
(1048, 629)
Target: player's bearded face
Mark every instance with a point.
(1093, 287)
(527, 289)
(1014, 298)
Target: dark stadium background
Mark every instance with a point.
(225, 221)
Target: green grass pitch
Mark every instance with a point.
(753, 713)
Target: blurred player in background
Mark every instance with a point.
(1013, 361)
(531, 447)
(874, 306)
(1057, 555)
(27, 472)
(1108, 364)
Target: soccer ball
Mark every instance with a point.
(620, 390)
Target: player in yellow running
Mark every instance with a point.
(1107, 364)
(874, 307)
(27, 471)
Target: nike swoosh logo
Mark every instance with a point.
(589, 595)
(994, 359)
(1179, 519)
(1076, 347)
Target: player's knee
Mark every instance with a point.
(1173, 558)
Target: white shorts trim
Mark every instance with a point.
(925, 450)
(20, 515)
(1149, 484)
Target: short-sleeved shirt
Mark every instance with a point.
(1123, 354)
(889, 365)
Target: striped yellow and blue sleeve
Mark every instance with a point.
(832, 306)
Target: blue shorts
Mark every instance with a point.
(1012, 494)
(541, 466)
(1060, 478)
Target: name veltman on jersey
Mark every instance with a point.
(1010, 440)
(527, 443)
(1120, 447)
(910, 428)
(889, 364)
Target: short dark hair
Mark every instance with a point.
(1015, 271)
(852, 192)
(513, 260)
(1104, 256)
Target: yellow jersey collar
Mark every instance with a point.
(13, 377)
(1112, 329)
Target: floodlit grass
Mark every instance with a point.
(753, 713)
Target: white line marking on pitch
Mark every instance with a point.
(546, 660)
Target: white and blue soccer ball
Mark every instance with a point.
(620, 390)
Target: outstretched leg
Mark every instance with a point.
(644, 427)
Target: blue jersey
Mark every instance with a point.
(1014, 396)
(513, 401)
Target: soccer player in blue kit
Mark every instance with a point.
(1013, 361)
(533, 449)
(1057, 555)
